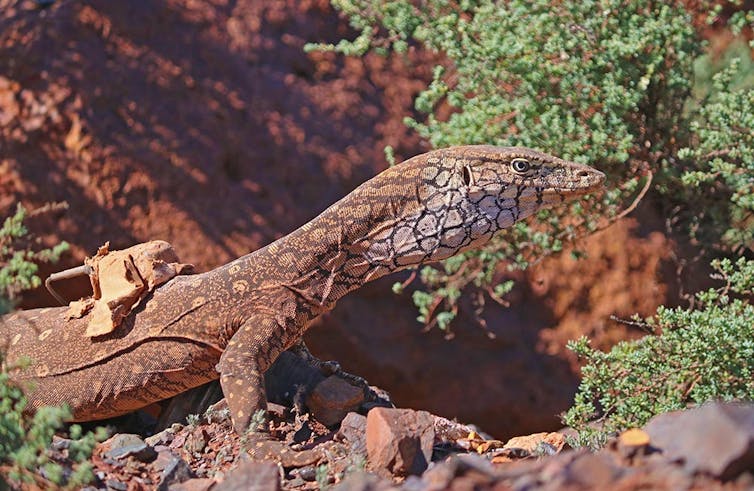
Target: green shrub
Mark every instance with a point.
(698, 354)
(19, 259)
(24, 440)
(720, 161)
(606, 82)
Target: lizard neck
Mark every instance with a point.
(339, 250)
(427, 209)
(331, 255)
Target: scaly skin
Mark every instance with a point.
(234, 321)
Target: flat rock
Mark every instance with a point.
(472, 469)
(353, 430)
(199, 484)
(125, 445)
(364, 481)
(399, 440)
(715, 438)
(252, 476)
(116, 485)
(332, 399)
(164, 437)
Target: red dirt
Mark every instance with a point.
(203, 123)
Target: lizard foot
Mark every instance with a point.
(328, 368)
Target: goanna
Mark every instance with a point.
(234, 321)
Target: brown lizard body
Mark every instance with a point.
(234, 321)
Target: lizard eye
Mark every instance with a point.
(520, 166)
(468, 176)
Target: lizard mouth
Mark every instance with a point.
(585, 181)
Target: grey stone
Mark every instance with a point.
(116, 485)
(353, 430)
(162, 438)
(173, 469)
(125, 445)
(307, 473)
(59, 443)
(716, 438)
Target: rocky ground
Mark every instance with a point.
(708, 447)
(334, 431)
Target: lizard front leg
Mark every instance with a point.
(251, 350)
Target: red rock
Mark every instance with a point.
(9, 108)
(593, 471)
(455, 471)
(259, 476)
(201, 484)
(332, 399)
(197, 440)
(553, 442)
(399, 440)
(362, 481)
(715, 438)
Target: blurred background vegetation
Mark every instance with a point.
(631, 88)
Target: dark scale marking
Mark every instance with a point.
(199, 328)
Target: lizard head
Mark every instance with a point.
(463, 195)
(503, 184)
(474, 191)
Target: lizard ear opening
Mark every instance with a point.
(468, 176)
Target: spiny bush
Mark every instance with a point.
(696, 355)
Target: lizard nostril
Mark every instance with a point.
(583, 173)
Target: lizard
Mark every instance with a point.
(232, 322)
